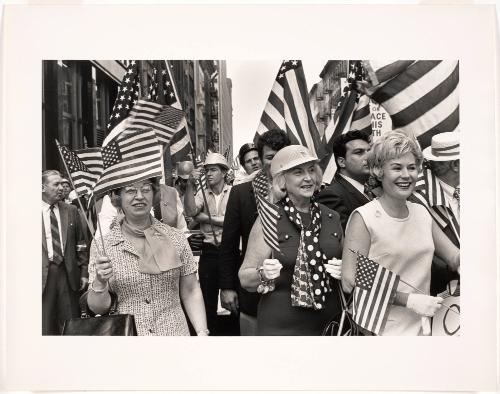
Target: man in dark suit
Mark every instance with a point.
(64, 256)
(241, 212)
(347, 191)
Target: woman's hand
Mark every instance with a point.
(334, 268)
(103, 269)
(424, 305)
(271, 269)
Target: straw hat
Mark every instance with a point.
(444, 147)
(290, 156)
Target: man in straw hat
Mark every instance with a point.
(438, 189)
(210, 215)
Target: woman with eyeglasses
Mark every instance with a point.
(148, 265)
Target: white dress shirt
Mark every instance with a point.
(448, 194)
(357, 185)
(48, 231)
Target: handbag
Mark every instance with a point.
(342, 324)
(112, 324)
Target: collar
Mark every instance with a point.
(115, 234)
(359, 187)
(46, 206)
(447, 189)
(225, 189)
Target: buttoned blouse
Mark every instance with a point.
(153, 299)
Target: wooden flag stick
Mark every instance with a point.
(78, 199)
(414, 288)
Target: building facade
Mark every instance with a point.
(78, 98)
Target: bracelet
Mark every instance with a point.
(205, 331)
(266, 285)
(99, 291)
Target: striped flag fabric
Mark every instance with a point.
(165, 120)
(202, 182)
(180, 144)
(374, 291)
(288, 108)
(268, 211)
(352, 113)
(269, 215)
(421, 96)
(430, 194)
(85, 167)
(134, 155)
(127, 97)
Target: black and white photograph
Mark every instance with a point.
(207, 186)
(359, 233)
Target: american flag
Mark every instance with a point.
(352, 113)
(180, 144)
(85, 167)
(165, 120)
(134, 155)
(288, 108)
(202, 182)
(268, 212)
(374, 291)
(429, 193)
(128, 95)
(420, 96)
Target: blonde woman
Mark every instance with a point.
(399, 235)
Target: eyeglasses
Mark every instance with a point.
(132, 190)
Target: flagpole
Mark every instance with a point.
(78, 199)
(414, 288)
(204, 199)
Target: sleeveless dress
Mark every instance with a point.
(276, 315)
(406, 247)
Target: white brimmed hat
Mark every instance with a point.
(290, 156)
(216, 158)
(444, 147)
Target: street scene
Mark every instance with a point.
(321, 202)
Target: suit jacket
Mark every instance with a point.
(342, 197)
(241, 213)
(73, 245)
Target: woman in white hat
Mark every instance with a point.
(304, 297)
(399, 235)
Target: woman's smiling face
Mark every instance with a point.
(399, 176)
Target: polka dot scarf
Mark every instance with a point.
(310, 282)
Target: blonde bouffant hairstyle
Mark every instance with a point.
(389, 146)
(278, 188)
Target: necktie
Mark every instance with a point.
(456, 195)
(57, 255)
(368, 191)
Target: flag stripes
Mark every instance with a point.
(422, 99)
(85, 166)
(375, 288)
(133, 156)
(269, 215)
(288, 108)
(430, 194)
(163, 119)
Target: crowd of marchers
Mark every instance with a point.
(389, 201)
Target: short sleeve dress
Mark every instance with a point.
(404, 246)
(275, 314)
(153, 299)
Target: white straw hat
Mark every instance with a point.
(290, 156)
(444, 147)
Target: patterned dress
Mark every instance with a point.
(276, 315)
(153, 299)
